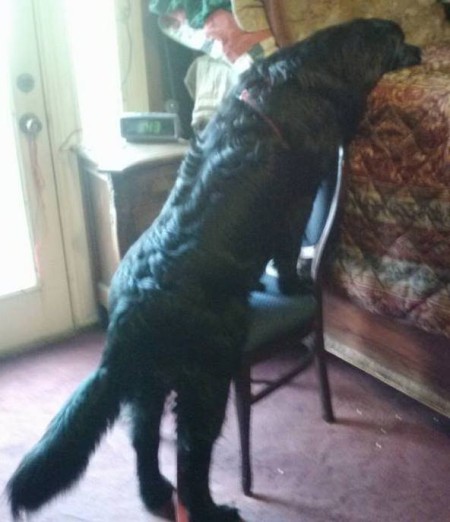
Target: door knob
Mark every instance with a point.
(30, 124)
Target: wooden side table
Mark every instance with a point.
(124, 188)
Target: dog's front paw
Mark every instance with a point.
(291, 285)
(221, 513)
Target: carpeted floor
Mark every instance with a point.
(387, 459)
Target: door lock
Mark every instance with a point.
(25, 82)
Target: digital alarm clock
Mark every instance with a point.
(142, 127)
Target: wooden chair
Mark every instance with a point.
(280, 322)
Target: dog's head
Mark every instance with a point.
(361, 51)
(356, 53)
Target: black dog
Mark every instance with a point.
(179, 300)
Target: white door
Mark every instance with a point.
(34, 291)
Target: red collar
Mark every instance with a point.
(246, 98)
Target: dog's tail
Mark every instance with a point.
(62, 455)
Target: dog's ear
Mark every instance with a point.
(279, 67)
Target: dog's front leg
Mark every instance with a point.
(288, 243)
(201, 408)
(286, 255)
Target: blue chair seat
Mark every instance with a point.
(274, 314)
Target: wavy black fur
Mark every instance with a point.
(178, 304)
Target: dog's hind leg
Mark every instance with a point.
(155, 489)
(201, 406)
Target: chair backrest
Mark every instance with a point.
(321, 245)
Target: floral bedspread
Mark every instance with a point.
(393, 255)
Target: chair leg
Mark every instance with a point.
(324, 385)
(243, 408)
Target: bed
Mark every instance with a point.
(391, 273)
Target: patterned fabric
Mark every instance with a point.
(423, 21)
(394, 250)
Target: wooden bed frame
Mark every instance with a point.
(411, 360)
